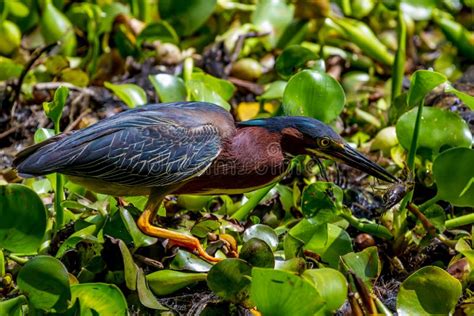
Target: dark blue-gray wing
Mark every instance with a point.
(149, 152)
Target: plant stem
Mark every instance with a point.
(59, 193)
(242, 213)
(371, 228)
(2, 263)
(17, 259)
(460, 221)
(423, 207)
(423, 219)
(398, 68)
(400, 216)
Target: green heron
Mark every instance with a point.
(185, 148)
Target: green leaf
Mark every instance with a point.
(76, 77)
(9, 69)
(281, 293)
(139, 238)
(129, 266)
(165, 282)
(55, 26)
(272, 16)
(418, 10)
(222, 87)
(54, 109)
(422, 82)
(17, 8)
(257, 253)
(365, 264)
(360, 34)
(464, 97)
(456, 33)
(361, 8)
(428, 291)
(292, 58)
(262, 232)
(440, 129)
(44, 280)
(331, 285)
(169, 88)
(43, 134)
(320, 196)
(12, 307)
(274, 90)
(186, 16)
(202, 228)
(23, 219)
(158, 31)
(103, 299)
(453, 171)
(230, 279)
(145, 295)
(314, 94)
(187, 261)
(200, 91)
(330, 242)
(129, 93)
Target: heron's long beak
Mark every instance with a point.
(355, 159)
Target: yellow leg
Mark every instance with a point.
(189, 242)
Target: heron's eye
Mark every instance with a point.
(323, 142)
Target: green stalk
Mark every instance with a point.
(242, 213)
(375, 229)
(460, 221)
(423, 207)
(19, 260)
(59, 193)
(400, 216)
(381, 307)
(398, 68)
(2, 263)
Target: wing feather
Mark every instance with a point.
(138, 148)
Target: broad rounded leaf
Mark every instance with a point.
(320, 196)
(169, 88)
(262, 232)
(314, 94)
(222, 87)
(428, 291)
(230, 280)
(330, 242)
(331, 285)
(440, 129)
(129, 93)
(186, 16)
(257, 253)
(23, 218)
(168, 281)
(422, 82)
(292, 58)
(281, 293)
(44, 280)
(104, 299)
(272, 16)
(453, 171)
(365, 264)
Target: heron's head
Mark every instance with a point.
(322, 141)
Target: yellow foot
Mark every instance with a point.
(179, 239)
